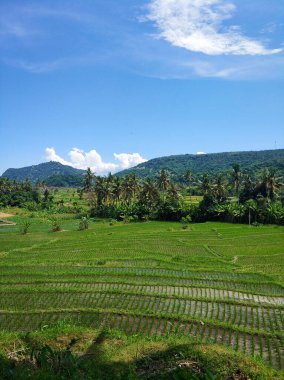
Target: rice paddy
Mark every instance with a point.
(213, 282)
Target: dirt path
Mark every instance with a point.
(4, 222)
(4, 215)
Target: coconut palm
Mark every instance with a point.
(100, 190)
(249, 188)
(189, 178)
(251, 206)
(117, 189)
(205, 184)
(163, 180)
(220, 188)
(173, 192)
(273, 184)
(88, 181)
(130, 187)
(149, 194)
(236, 179)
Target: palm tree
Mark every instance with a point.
(249, 188)
(251, 205)
(149, 194)
(173, 192)
(205, 184)
(88, 181)
(272, 184)
(236, 179)
(220, 187)
(130, 187)
(109, 189)
(189, 177)
(100, 190)
(265, 182)
(117, 189)
(163, 180)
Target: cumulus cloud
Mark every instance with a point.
(82, 160)
(198, 26)
(200, 153)
(51, 155)
(127, 160)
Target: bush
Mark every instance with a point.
(256, 224)
(185, 221)
(55, 225)
(25, 226)
(84, 223)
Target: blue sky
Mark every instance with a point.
(108, 84)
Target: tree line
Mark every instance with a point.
(234, 196)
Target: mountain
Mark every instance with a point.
(43, 172)
(56, 174)
(213, 163)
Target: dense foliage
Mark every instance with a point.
(239, 199)
(13, 193)
(251, 162)
(233, 196)
(42, 172)
(64, 180)
(58, 175)
(33, 197)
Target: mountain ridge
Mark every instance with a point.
(177, 165)
(251, 161)
(41, 171)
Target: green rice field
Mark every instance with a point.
(213, 282)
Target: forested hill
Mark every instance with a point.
(42, 172)
(56, 174)
(252, 161)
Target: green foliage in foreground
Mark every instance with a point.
(72, 352)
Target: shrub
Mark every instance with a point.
(101, 262)
(55, 225)
(185, 221)
(25, 226)
(84, 223)
(62, 362)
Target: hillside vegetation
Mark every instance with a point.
(58, 175)
(43, 171)
(251, 162)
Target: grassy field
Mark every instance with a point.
(212, 283)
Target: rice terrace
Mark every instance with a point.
(141, 190)
(154, 285)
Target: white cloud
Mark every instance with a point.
(200, 153)
(51, 155)
(127, 160)
(82, 160)
(197, 25)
